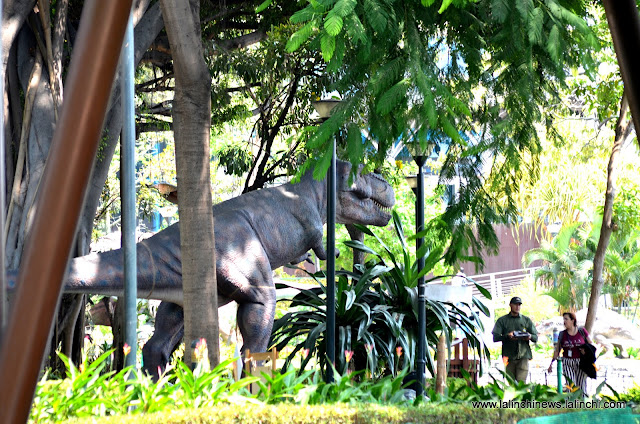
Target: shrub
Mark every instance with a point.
(632, 396)
(538, 305)
(334, 414)
(376, 317)
(91, 392)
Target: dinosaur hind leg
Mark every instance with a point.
(246, 279)
(169, 330)
(255, 321)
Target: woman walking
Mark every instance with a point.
(569, 340)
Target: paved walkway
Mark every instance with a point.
(621, 374)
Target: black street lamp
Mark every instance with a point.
(324, 109)
(420, 155)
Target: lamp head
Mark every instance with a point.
(420, 151)
(324, 108)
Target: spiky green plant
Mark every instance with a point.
(376, 313)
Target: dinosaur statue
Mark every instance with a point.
(255, 233)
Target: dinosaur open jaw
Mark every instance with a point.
(368, 201)
(382, 207)
(355, 209)
(384, 211)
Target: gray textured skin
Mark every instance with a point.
(254, 234)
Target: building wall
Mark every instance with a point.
(514, 242)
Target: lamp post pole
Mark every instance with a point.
(324, 109)
(422, 313)
(331, 264)
(420, 154)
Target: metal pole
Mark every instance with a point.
(422, 312)
(4, 305)
(73, 149)
(624, 24)
(559, 374)
(128, 193)
(331, 264)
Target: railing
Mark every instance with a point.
(499, 284)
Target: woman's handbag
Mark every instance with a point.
(587, 357)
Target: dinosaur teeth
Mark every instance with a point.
(381, 206)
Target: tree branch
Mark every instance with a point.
(272, 132)
(240, 42)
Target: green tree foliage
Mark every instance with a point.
(622, 257)
(566, 264)
(477, 73)
(627, 212)
(567, 260)
(573, 176)
(597, 96)
(571, 180)
(622, 266)
(573, 170)
(269, 91)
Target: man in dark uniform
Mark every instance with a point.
(514, 331)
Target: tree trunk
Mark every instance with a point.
(34, 68)
(623, 128)
(192, 124)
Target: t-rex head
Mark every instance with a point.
(367, 201)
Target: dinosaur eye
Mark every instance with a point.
(360, 194)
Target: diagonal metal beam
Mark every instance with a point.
(74, 146)
(624, 24)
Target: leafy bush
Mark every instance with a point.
(632, 396)
(363, 324)
(376, 314)
(350, 389)
(634, 352)
(543, 350)
(336, 413)
(91, 392)
(182, 396)
(508, 389)
(465, 390)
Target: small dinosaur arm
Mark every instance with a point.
(255, 233)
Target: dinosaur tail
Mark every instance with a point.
(158, 272)
(97, 273)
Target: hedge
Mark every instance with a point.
(334, 414)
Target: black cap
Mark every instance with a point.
(515, 300)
